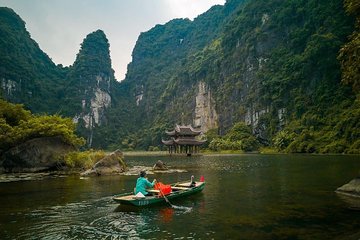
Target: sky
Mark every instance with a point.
(60, 26)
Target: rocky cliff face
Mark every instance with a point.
(91, 80)
(164, 90)
(94, 114)
(205, 114)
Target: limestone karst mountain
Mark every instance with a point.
(270, 64)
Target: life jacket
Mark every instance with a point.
(163, 188)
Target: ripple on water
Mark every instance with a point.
(134, 170)
(85, 220)
(16, 177)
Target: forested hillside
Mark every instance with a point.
(250, 74)
(27, 74)
(271, 64)
(86, 91)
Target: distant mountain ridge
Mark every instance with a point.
(270, 64)
(27, 74)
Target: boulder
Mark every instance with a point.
(351, 189)
(35, 155)
(159, 165)
(109, 165)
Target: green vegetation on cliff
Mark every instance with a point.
(281, 74)
(90, 72)
(271, 64)
(27, 74)
(350, 52)
(338, 132)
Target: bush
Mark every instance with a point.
(238, 132)
(84, 159)
(209, 136)
(282, 139)
(153, 148)
(335, 147)
(354, 148)
(238, 138)
(18, 125)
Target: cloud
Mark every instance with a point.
(190, 8)
(59, 27)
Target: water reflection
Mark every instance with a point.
(166, 214)
(246, 197)
(352, 202)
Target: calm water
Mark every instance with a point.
(246, 197)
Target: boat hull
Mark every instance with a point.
(130, 199)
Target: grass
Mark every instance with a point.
(165, 153)
(84, 159)
(268, 150)
(145, 153)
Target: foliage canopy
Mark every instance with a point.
(18, 125)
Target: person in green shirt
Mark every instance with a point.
(143, 183)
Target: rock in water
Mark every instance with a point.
(38, 154)
(159, 165)
(109, 165)
(352, 188)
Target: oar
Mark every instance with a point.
(166, 199)
(187, 209)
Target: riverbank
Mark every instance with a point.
(265, 151)
(166, 153)
(204, 152)
(145, 153)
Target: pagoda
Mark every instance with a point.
(182, 140)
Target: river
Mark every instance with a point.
(246, 197)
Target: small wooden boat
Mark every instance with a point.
(178, 190)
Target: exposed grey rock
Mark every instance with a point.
(205, 114)
(159, 165)
(39, 154)
(110, 165)
(352, 188)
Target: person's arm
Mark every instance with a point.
(150, 184)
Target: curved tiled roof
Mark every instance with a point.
(183, 130)
(168, 142)
(189, 142)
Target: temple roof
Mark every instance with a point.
(182, 141)
(168, 142)
(183, 130)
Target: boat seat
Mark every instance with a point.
(153, 191)
(188, 184)
(128, 197)
(179, 188)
